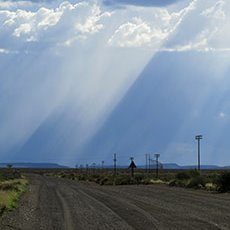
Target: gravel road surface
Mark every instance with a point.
(61, 204)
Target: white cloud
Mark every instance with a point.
(14, 4)
(200, 43)
(216, 11)
(73, 19)
(139, 33)
(4, 51)
(136, 34)
(212, 35)
(22, 29)
(222, 115)
(91, 25)
(145, 27)
(47, 17)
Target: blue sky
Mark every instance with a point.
(81, 80)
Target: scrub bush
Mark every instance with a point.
(223, 182)
(183, 175)
(197, 182)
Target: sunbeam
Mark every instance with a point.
(67, 68)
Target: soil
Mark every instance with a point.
(61, 204)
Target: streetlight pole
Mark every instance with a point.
(198, 138)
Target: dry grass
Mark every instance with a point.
(10, 192)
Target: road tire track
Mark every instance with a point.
(61, 204)
(68, 223)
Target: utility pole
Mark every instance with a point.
(198, 138)
(157, 155)
(115, 164)
(146, 162)
(149, 163)
(102, 164)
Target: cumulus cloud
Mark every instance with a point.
(84, 19)
(212, 35)
(14, 4)
(34, 25)
(139, 3)
(136, 34)
(139, 33)
(218, 20)
(216, 11)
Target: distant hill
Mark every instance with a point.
(171, 166)
(226, 167)
(176, 166)
(202, 167)
(165, 166)
(32, 165)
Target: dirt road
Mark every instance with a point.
(60, 204)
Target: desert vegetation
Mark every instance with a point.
(211, 180)
(122, 177)
(12, 185)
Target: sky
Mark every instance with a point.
(82, 80)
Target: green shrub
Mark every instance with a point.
(10, 174)
(7, 186)
(123, 180)
(197, 182)
(82, 177)
(223, 182)
(179, 183)
(183, 175)
(189, 179)
(62, 175)
(105, 181)
(194, 173)
(139, 178)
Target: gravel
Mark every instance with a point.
(61, 204)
